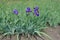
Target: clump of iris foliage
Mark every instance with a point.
(12, 23)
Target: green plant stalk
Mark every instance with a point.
(17, 36)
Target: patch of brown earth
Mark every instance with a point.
(54, 33)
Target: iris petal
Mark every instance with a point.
(28, 9)
(15, 11)
(36, 8)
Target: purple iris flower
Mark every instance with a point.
(36, 12)
(28, 9)
(15, 11)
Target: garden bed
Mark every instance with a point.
(53, 32)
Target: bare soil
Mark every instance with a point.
(54, 33)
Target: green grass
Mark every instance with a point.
(9, 22)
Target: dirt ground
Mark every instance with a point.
(54, 33)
